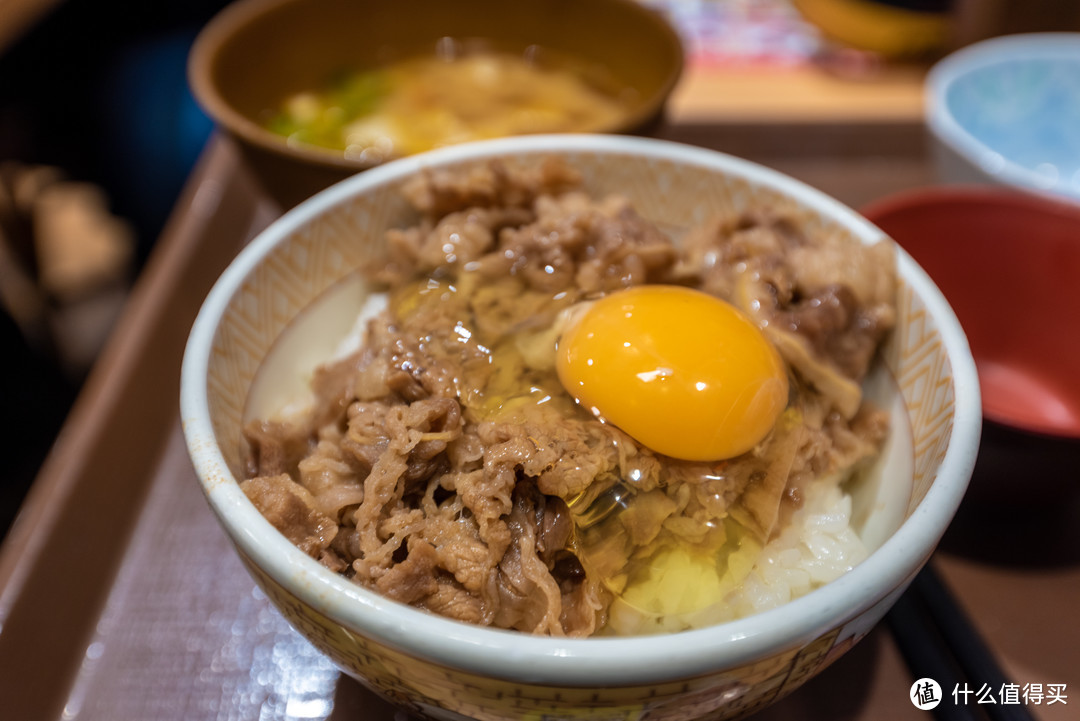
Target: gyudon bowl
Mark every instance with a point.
(383, 403)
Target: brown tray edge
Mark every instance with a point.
(59, 559)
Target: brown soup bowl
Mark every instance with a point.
(256, 53)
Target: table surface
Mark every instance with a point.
(121, 599)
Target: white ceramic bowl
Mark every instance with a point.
(288, 297)
(1007, 111)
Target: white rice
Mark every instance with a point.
(817, 545)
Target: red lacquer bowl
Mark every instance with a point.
(1009, 265)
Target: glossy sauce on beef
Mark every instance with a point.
(443, 465)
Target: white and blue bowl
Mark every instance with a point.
(1007, 111)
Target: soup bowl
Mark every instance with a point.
(256, 53)
(290, 297)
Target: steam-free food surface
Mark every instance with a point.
(445, 465)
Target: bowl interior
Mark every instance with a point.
(258, 52)
(267, 321)
(1007, 263)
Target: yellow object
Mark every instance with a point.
(680, 587)
(430, 101)
(681, 371)
(680, 582)
(874, 26)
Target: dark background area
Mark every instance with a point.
(98, 90)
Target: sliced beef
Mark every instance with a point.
(444, 466)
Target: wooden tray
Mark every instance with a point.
(121, 599)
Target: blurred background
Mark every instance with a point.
(98, 131)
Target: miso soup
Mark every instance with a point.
(427, 102)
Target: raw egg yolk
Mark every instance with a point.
(682, 372)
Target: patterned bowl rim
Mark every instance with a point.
(545, 660)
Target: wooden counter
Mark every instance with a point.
(796, 95)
